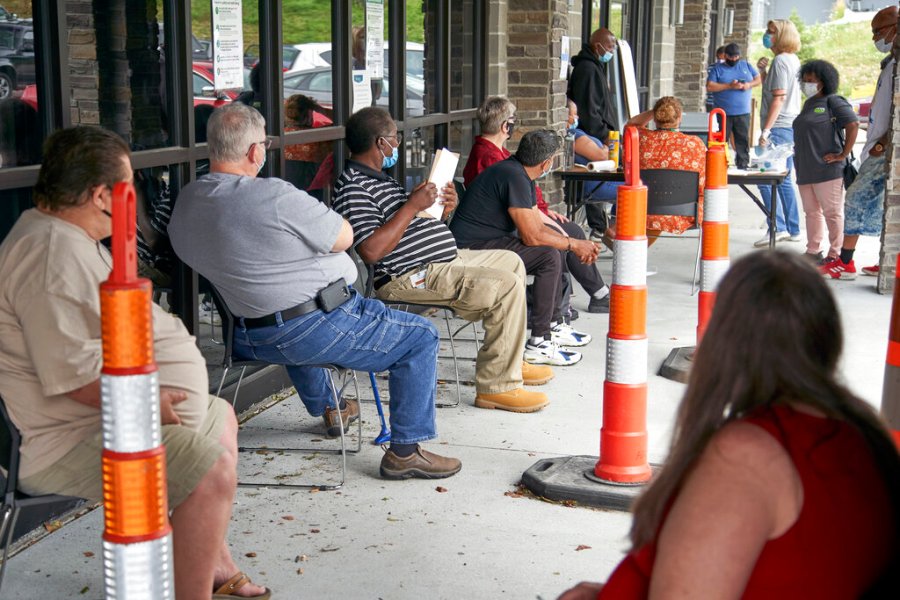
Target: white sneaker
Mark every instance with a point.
(566, 335)
(548, 353)
(209, 316)
(780, 236)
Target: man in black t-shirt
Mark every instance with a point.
(499, 211)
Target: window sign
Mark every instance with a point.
(564, 57)
(228, 44)
(375, 38)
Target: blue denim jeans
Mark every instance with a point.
(788, 209)
(363, 335)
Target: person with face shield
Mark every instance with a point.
(864, 201)
(729, 83)
(824, 134)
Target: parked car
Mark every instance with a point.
(291, 58)
(16, 56)
(5, 14)
(317, 84)
(204, 90)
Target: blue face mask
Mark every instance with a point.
(767, 40)
(574, 125)
(389, 161)
(606, 57)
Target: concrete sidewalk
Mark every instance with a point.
(473, 535)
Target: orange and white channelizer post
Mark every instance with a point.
(623, 436)
(714, 253)
(890, 399)
(137, 548)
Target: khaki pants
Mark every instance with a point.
(486, 285)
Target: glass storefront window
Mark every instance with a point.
(20, 124)
(422, 67)
(462, 136)
(365, 63)
(308, 93)
(419, 145)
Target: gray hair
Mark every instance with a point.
(493, 112)
(232, 129)
(537, 146)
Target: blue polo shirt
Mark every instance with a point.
(733, 102)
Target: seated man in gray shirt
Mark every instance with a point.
(277, 257)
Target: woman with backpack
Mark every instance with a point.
(824, 134)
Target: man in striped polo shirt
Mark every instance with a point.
(416, 260)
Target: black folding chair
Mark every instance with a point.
(13, 500)
(675, 192)
(335, 373)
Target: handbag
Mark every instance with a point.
(850, 171)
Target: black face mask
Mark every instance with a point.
(731, 62)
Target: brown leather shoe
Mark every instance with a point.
(349, 414)
(517, 400)
(536, 374)
(421, 464)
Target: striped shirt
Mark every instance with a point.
(368, 199)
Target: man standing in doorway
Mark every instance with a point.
(589, 90)
(864, 201)
(729, 83)
(588, 86)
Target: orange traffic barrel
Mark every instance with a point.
(623, 435)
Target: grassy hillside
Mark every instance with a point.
(303, 20)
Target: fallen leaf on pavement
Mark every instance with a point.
(440, 489)
(582, 547)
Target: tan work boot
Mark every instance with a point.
(517, 400)
(536, 374)
(348, 414)
(421, 464)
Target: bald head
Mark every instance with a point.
(602, 41)
(884, 26)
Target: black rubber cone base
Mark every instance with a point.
(677, 365)
(572, 478)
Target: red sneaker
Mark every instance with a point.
(837, 269)
(871, 271)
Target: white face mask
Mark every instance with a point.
(883, 46)
(809, 88)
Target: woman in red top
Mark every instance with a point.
(780, 483)
(497, 116)
(667, 148)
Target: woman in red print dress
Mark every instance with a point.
(780, 483)
(667, 148)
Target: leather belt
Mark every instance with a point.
(287, 314)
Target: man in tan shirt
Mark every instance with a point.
(51, 266)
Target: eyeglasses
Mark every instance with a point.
(398, 137)
(267, 143)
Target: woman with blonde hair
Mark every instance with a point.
(667, 148)
(779, 106)
(780, 483)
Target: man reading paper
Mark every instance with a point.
(416, 260)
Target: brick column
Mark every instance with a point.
(535, 29)
(691, 42)
(496, 48)
(84, 74)
(662, 65)
(890, 230)
(741, 30)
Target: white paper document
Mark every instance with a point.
(443, 169)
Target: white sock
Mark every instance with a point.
(602, 293)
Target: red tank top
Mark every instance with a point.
(844, 535)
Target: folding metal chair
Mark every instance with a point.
(13, 500)
(675, 192)
(344, 376)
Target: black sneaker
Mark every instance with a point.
(817, 259)
(600, 305)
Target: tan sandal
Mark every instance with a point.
(227, 590)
